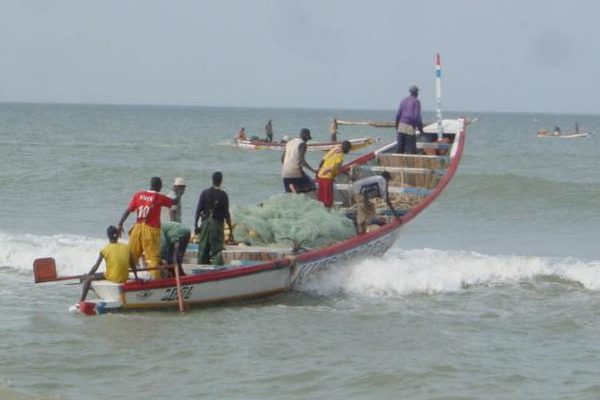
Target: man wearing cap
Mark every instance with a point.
(295, 179)
(174, 213)
(365, 189)
(118, 259)
(408, 120)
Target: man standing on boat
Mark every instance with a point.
(408, 120)
(174, 213)
(144, 237)
(269, 131)
(328, 170)
(212, 212)
(333, 129)
(295, 179)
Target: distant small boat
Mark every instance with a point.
(558, 134)
(310, 146)
(570, 135)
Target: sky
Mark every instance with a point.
(497, 55)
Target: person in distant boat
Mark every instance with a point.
(365, 189)
(408, 121)
(333, 130)
(174, 213)
(144, 237)
(212, 211)
(295, 179)
(328, 170)
(269, 131)
(557, 130)
(241, 135)
(174, 238)
(118, 259)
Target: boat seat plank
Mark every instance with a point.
(413, 161)
(409, 170)
(433, 145)
(417, 191)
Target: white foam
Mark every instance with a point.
(73, 254)
(429, 271)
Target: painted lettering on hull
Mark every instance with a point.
(170, 294)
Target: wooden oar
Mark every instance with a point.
(44, 270)
(178, 283)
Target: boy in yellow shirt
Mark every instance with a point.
(328, 169)
(118, 259)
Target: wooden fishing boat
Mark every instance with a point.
(255, 272)
(556, 133)
(310, 146)
(574, 135)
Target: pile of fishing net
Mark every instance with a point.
(290, 220)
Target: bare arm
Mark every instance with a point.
(96, 265)
(122, 220)
(389, 202)
(303, 162)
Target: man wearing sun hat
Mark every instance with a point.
(174, 213)
(408, 120)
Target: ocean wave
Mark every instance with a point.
(430, 271)
(74, 254)
(398, 273)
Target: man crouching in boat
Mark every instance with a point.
(144, 237)
(174, 238)
(368, 188)
(118, 259)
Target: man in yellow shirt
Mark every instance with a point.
(118, 259)
(328, 170)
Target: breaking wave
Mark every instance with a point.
(398, 273)
(429, 271)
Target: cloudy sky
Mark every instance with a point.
(497, 55)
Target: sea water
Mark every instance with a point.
(491, 293)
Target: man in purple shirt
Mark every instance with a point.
(408, 120)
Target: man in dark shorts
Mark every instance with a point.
(295, 179)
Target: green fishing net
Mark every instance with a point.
(290, 220)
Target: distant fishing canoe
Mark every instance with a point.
(310, 146)
(374, 124)
(573, 135)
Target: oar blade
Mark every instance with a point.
(44, 270)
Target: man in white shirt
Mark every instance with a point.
(295, 179)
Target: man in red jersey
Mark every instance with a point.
(144, 237)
